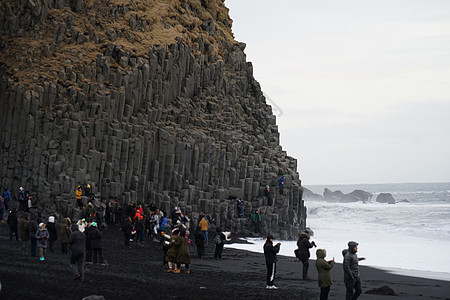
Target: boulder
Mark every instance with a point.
(385, 198)
(362, 195)
(383, 291)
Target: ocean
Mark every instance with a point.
(410, 238)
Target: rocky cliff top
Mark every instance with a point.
(66, 33)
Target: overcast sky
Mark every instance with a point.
(361, 88)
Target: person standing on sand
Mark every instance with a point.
(200, 242)
(32, 228)
(325, 277)
(42, 236)
(204, 228)
(96, 244)
(304, 245)
(64, 234)
(270, 254)
(52, 231)
(352, 278)
(127, 228)
(219, 241)
(172, 253)
(13, 224)
(77, 243)
(183, 255)
(24, 232)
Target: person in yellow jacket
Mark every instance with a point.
(204, 228)
(78, 194)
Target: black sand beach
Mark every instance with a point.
(138, 273)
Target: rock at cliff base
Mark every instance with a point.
(384, 290)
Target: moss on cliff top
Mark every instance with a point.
(65, 36)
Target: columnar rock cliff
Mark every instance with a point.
(147, 101)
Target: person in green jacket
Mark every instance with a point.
(257, 220)
(324, 273)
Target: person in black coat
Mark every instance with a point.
(51, 228)
(219, 241)
(127, 228)
(270, 254)
(96, 244)
(200, 242)
(32, 228)
(88, 229)
(77, 244)
(13, 224)
(303, 252)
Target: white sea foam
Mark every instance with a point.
(406, 238)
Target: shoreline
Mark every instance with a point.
(425, 274)
(138, 272)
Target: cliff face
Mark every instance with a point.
(147, 101)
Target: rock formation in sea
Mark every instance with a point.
(338, 196)
(385, 198)
(146, 101)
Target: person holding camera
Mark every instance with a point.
(270, 253)
(304, 245)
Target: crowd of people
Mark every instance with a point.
(82, 240)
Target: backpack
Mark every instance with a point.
(217, 239)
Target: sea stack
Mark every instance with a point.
(146, 101)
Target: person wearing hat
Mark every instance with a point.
(352, 278)
(42, 236)
(22, 199)
(325, 278)
(304, 245)
(95, 238)
(88, 192)
(51, 227)
(270, 254)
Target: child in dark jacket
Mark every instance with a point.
(324, 273)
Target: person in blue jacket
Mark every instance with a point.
(7, 197)
(281, 182)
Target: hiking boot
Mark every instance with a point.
(176, 271)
